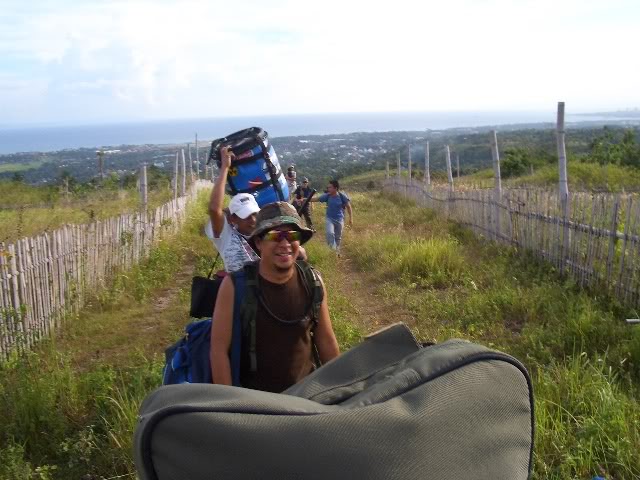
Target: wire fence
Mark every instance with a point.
(595, 239)
(45, 277)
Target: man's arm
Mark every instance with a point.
(350, 212)
(325, 338)
(221, 333)
(320, 198)
(217, 194)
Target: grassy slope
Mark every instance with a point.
(582, 177)
(584, 361)
(69, 409)
(17, 221)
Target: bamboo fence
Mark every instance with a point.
(597, 240)
(45, 277)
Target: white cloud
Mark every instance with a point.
(199, 58)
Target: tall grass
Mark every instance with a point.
(27, 211)
(582, 356)
(69, 407)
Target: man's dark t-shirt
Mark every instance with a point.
(283, 351)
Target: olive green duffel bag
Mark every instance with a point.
(386, 409)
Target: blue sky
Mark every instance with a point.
(75, 62)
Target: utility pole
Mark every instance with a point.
(100, 154)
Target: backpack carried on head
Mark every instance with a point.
(188, 360)
(385, 410)
(255, 169)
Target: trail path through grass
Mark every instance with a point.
(118, 333)
(371, 310)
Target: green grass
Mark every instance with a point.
(584, 177)
(17, 221)
(583, 358)
(20, 167)
(70, 406)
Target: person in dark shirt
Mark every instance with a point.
(284, 340)
(302, 192)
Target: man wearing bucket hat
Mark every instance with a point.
(287, 324)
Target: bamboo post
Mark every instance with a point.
(497, 192)
(143, 187)
(613, 238)
(183, 187)
(427, 174)
(563, 187)
(175, 178)
(448, 160)
(409, 161)
(190, 163)
(198, 160)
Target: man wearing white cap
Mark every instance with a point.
(229, 229)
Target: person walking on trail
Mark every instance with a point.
(291, 181)
(278, 352)
(337, 202)
(230, 228)
(301, 193)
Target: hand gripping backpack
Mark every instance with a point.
(386, 409)
(255, 169)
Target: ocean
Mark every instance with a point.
(45, 139)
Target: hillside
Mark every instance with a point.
(399, 263)
(321, 157)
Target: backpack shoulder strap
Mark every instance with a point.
(245, 306)
(343, 199)
(313, 285)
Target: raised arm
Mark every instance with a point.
(221, 332)
(217, 194)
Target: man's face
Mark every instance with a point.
(331, 190)
(245, 225)
(281, 253)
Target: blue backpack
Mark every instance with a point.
(188, 360)
(255, 169)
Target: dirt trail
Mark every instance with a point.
(372, 310)
(117, 335)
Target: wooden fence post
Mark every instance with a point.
(175, 178)
(563, 187)
(198, 160)
(427, 173)
(183, 188)
(457, 165)
(409, 156)
(143, 187)
(192, 177)
(497, 193)
(613, 238)
(447, 153)
(386, 172)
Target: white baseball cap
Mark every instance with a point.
(243, 205)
